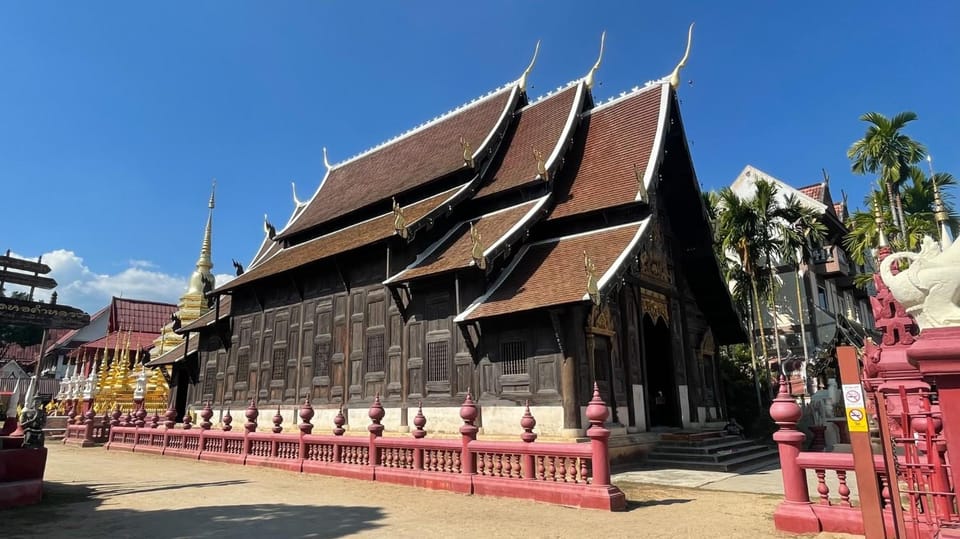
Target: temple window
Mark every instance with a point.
(278, 365)
(513, 358)
(438, 361)
(243, 365)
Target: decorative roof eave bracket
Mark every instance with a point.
(433, 216)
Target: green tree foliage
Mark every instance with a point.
(11, 334)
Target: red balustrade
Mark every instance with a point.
(564, 473)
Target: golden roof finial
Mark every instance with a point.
(526, 72)
(202, 271)
(589, 79)
(675, 76)
(399, 220)
(296, 201)
(326, 162)
(467, 152)
(593, 288)
(641, 188)
(476, 251)
(542, 171)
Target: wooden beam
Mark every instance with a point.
(27, 280)
(9, 262)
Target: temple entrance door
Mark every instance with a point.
(662, 387)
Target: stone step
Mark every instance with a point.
(744, 462)
(726, 444)
(719, 457)
(704, 442)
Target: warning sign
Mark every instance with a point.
(856, 413)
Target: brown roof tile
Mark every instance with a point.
(539, 127)
(551, 272)
(340, 241)
(618, 136)
(413, 160)
(455, 249)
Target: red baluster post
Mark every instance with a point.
(795, 514)
(376, 414)
(468, 433)
(527, 423)
(597, 414)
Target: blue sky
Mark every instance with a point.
(115, 116)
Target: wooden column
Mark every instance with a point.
(568, 369)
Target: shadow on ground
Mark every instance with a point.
(70, 510)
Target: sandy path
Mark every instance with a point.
(95, 493)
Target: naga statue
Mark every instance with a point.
(32, 420)
(929, 289)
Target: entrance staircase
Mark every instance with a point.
(711, 451)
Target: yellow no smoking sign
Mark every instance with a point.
(856, 410)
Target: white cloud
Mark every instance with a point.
(79, 286)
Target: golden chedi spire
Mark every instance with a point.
(201, 281)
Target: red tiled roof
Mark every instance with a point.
(411, 161)
(136, 340)
(206, 318)
(540, 127)
(814, 191)
(619, 136)
(139, 315)
(456, 248)
(551, 272)
(342, 240)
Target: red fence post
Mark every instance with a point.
(206, 415)
(250, 426)
(468, 433)
(227, 421)
(795, 514)
(785, 413)
(419, 421)
(376, 414)
(528, 422)
(597, 414)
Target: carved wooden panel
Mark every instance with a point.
(356, 335)
(339, 358)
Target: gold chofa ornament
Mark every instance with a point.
(467, 152)
(541, 165)
(399, 221)
(593, 288)
(477, 250)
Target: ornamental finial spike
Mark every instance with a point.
(589, 79)
(675, 76)
(296, 201)
(526, 72)
(268, 228)
(213, 189)
(878, 219)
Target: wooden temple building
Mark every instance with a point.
(515, 249)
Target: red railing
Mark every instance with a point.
(563, 473)
(922, 498)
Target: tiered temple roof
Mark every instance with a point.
(544, 184)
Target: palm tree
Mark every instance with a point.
(918, 208)
(738, 228)
(884, 149)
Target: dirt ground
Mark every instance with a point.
(95, 493)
